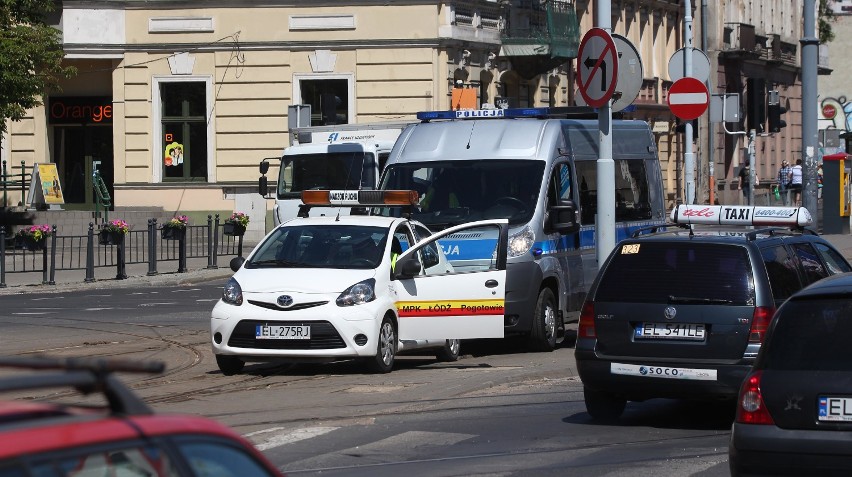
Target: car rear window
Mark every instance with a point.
(663, 272)
(812, 334)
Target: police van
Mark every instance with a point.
(535, 167)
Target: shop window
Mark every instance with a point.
(184, 130)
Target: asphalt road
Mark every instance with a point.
(498, 411)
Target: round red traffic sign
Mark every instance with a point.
(597, 67)
(688, 98)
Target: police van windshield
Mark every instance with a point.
(321, 246)
(455, 192)
(327, 170)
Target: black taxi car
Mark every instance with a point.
(682, 313)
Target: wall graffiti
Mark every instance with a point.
(835, 113)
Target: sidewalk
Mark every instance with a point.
(197, 272)
(105, 277)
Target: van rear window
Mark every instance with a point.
(672, 272)
(812, 334)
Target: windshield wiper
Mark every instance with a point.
(276, 262)
(690, 299)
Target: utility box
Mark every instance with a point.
(836, 175)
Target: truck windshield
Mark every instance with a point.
(329, 170)
(454, 192)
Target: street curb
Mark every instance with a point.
(188, 278)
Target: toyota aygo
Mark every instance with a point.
(367, 287)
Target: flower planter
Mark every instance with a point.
(173, 233)
(29, 243)
(233, 229)
(108, 237)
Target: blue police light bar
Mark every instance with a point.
(487, 113)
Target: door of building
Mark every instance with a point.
(79, 151)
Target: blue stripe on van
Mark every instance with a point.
(587, 237)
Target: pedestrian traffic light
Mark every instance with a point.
(755, 104)
(774, 110)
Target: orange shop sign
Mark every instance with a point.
(79, 110)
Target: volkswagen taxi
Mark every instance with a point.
(339, 287)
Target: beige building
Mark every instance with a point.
(177, 101)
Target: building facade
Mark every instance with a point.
(176, 102)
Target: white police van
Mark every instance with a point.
(535, 167)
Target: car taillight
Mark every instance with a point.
(750, 406)
(760, 323)
(586, 327)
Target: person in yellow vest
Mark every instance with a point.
(440, 195)
(396, 250)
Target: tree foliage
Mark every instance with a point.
(826, 16)
(30, 57)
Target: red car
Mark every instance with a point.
(123, 438)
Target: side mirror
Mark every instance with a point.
(562, 218)
(264, 166)
(262, 186)
(408, 268)
(236, 263)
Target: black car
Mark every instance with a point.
(682, 313)
(794, 412)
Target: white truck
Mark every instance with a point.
(339, 157)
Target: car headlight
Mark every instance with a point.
(521, 242)
(232, 293)
(357, 294)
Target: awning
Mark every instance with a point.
(524, 50)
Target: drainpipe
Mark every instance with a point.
(711, 151)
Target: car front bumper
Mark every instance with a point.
(335, 331)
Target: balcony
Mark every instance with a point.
(781, 52)
(740, 42)
(539, 35)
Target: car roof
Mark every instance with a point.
(725, 234)
(34, 426)
(333, 219)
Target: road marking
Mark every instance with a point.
(207, 299)
(49, 298)
(36, 313)
(98, 309)
(288, 437)
(186, 290)
(155, 304)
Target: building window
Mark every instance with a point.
(330, 97)
(183, 107)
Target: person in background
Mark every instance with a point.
(745, 182)
(796, 183)
(784, 181)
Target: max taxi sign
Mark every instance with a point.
(741, 215)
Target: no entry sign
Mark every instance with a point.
(688, 98)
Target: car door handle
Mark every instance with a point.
(491, 283)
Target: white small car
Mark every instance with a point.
(367, 287)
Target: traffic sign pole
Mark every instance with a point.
(688, 156)
(605, 220)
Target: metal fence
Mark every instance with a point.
(86, 252)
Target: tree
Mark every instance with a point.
(30, 57)
(826, 16)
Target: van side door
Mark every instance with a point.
(565, 245)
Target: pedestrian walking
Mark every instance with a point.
(784, 181)
(745, 182)
(796, 183)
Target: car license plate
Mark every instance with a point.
(675, 331)
(833, 408)
(666, 372)
(282, 332)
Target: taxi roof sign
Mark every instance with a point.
(356, 198)
(741, 215)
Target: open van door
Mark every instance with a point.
(437, 301)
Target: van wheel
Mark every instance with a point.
(382, 362)
(229, 365)
(602, 406)
(544, 326)
(450, 351)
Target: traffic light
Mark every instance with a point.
(755, 104)
(774, 110)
